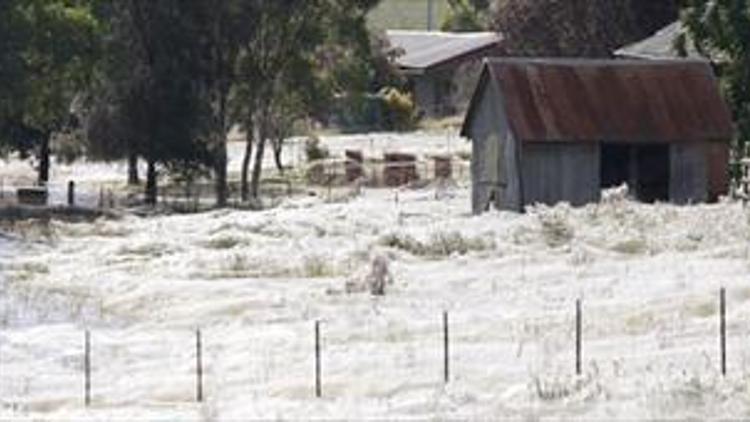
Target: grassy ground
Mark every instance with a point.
(406, 14)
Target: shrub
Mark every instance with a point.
(556, 230)
(399, 109)
(440, 244)
(316, 267)
(314, 151)
(68, 147)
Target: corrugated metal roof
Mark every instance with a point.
(659, 45)
(609, 100)
(424, 49)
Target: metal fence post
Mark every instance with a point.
(446, 351)
(318, 383)
(198, 366)
(723, 330)
(87, 368)
(579, 321)
(71, 193)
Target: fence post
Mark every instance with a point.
(198, 367)
(723, 330)
(579, 321)
(318, 386)
(87, 369)
(446, 351)
(71, 193)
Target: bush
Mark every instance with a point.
(314, 151)
(68, 147)
(440, 244)
(400, 113)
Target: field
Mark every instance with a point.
(406, 14)
(256, 282)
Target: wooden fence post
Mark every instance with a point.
(87, 369)
(446, 351)
(71, 193)
(198, 366)
(723, 330)
(318, 383)
(579, 318)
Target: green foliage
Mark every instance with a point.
(149, 79)
(406, 14)
(440, 244)
(314, 150)
(720, 30)
(165, 80)
(47, 54)
(400, 112)
(68, 147)
(590, 28)
(466, 16)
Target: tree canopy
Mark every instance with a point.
(48, 51)
(588, 28)
(720, 31)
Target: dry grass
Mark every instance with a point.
(440, 244)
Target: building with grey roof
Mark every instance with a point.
(660, 45)
(430, 59)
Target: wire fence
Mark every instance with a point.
(333, 357)
(332, 178)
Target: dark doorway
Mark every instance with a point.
(645, 168)
(615, 165)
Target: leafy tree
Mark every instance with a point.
(720, 31)
(150, 103)
(300, 55)
(218, 31)
(466, 16)
(50, 50)
(590, 28)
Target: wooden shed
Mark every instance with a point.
(552, 130)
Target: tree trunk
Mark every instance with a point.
(220, 170)
(244, 188)
(278, 146)
(44, 160)
(133, 178)
(151, 188)
(258, 164)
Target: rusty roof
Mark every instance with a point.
(609, 100)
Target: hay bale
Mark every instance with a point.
(354, 165)
(400, 169)
(443, 167)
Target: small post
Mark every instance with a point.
(198, 367)
(429, 15)
(579, 318)
(330, 182)
(87, 369)
(101, 197)
(723, 330)
(446, 354)
(71, 193)
(318, 386)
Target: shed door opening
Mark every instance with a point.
(645, 168)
